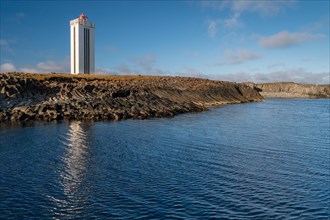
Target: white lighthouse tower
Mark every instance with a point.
(82, 45)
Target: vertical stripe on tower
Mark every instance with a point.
(88, 53)
(74, 49)
(85, 50)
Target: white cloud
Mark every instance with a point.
(238, 57)
(29, 70)
(145, 63)
(52, 66)
(275, 66)
(192, 72)
(213, 24)
(239, 7)
(103, 71)
(265, 8)
(111, 49)
(140, 65)
(321, 25)
(232, 22)
(286, 39)
(6, 45)
(212, 28)
(7, 67)
(298, 75)
(41, 67)
(124, 69)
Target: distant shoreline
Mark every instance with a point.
(293, 90)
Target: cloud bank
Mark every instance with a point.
(5, 45)
(292, 75)
(264, 8)
(239, 7)
(41, 67)
(213, 24)
(7, 67)
(286, 39)
(238, 57)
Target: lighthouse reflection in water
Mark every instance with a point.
(75, 161)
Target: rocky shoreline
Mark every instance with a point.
(293, 90)
(47, 97)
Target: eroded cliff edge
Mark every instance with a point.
(48, 97)
(293, 90)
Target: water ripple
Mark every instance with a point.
(226, 163)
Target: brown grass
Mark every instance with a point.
(49, 76)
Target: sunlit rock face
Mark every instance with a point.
(62, 96)
(294, 90)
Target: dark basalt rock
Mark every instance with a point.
(55, 97)
(121, 93)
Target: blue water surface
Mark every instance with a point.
(267, 160)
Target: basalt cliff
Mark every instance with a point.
(25, 97)
(293, 90)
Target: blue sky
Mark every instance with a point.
(226, 40)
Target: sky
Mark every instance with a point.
(243, 40)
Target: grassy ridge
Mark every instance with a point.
(50, 76)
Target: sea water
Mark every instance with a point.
(265, 160)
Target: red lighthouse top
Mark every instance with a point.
(83, 16)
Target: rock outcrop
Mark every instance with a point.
(48, 97)
(293, 90)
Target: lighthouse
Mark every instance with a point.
(82, 45)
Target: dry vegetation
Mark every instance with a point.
(50, 76)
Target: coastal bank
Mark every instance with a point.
(293, 90)
(46, 97)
